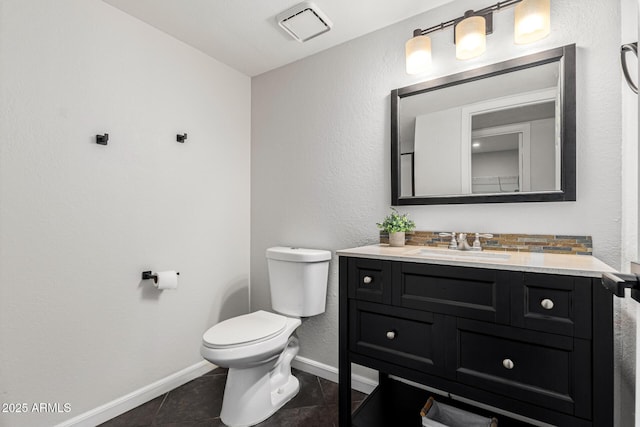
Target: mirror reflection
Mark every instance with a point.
(494, 135)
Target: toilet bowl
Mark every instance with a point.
(258, 347)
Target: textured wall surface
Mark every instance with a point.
(628, 309)
(630, 142)
(321, 146)
(79, 222)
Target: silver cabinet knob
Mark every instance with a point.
(367, 280)
(508, 363)
(547, 304)
(391, 335)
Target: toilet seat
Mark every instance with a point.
(243, 330)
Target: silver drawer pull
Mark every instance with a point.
(547, 304)
(508, 363)
(391, 335)
(367, 280)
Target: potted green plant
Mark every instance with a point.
(396, 224)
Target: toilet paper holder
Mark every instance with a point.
(146, 275)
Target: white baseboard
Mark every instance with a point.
(138, 397)
(358, 382)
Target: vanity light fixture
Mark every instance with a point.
(471, 36)
(532, 23)
(418, 52)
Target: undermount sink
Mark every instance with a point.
(455, 254)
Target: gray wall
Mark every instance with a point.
(320, 146)
(79, 222)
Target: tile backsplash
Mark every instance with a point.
(543, 243)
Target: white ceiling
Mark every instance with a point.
(244, 34)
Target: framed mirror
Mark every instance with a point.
(501, 133)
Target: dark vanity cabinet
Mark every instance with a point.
(532, 344)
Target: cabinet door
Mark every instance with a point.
(408, 338)
(474, 293)
(553, 303)
(542, 369)
(370, 280)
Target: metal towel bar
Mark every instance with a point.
(629, 47)
(616, 283)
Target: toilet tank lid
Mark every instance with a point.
(284, 253)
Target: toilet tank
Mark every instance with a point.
(298, 280)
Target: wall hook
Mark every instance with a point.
(102, 139)
(181, 138)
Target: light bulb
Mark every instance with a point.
(471, 38)
(418, 54)
(532, 20)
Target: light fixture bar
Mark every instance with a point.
(531, 23)
(481, 12)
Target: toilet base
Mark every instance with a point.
(253, 394)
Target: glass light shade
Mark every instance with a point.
(471, 37)
(532, 20)
(418, 54)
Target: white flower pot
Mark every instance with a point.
(396, 239)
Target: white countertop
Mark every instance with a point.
(572, 265)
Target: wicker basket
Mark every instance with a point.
(436, 414)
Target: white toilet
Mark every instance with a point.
(258, 347)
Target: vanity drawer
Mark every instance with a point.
(403, 337)
(553, 303)
(473, 293)
(370, 280)
(542, 369)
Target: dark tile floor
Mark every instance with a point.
(198, 404)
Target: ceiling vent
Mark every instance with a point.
(304, 21)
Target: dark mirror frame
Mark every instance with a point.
(567, 192)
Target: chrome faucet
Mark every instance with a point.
(463, 245)
(453, 244)
(476, 243)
